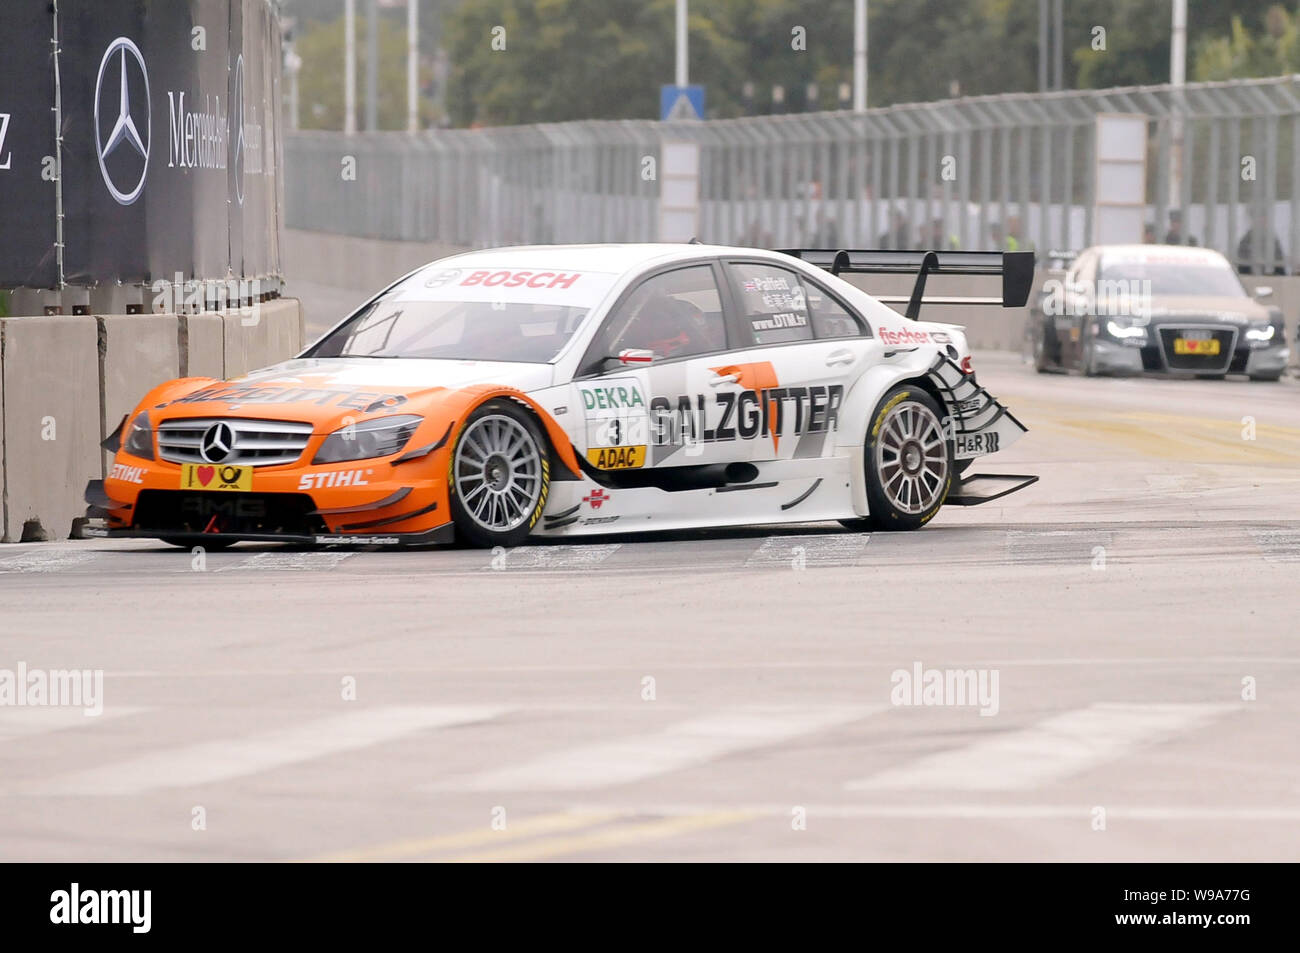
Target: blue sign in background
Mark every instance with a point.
(670, 95)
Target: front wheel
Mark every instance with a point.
(499, 475)
(909, 460)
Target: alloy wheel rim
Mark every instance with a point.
(912, 458)
(498, 472)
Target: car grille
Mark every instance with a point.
(1209, 364)
(181, 512)
(258, 443)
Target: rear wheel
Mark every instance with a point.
(1266, 377)
(499, 475)
(908, 460)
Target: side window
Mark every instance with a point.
(675, 314)
(830, 319)
(774, 308)
(1084, 271)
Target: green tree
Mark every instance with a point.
(1275, 50)
(605, 59)
(320, 83)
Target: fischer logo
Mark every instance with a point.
(516, 279)
(335, 478)
(905, 336)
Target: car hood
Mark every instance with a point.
(325, 391)
(1209, 309)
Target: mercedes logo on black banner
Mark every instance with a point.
(218, 443)
(122, 105)
(237, 130)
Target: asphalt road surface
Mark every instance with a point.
(730, 696)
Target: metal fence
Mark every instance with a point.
(966, 173)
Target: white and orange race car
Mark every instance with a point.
(573, 390)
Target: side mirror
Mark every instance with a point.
(1263, 291)
(633, 356)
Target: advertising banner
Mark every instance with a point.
(170, 140)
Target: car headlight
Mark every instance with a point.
(139, 437)
(1262, 335)
(372, 438)
(1128, 333)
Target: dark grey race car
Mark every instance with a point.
(1163, 309)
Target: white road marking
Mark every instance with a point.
(810, 552)
(26, 722)
(1278, 544)
(299, 562)
(552, 557)
(681, 745)
(1055, 545)
(52, 559)
(209, 762)
(1060, 746)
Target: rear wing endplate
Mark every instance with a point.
(1015, 267)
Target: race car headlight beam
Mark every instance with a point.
(380, 437)
(139, 437)
(1128, 333)
(1262, 335)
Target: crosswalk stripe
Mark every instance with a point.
(51, 559)
(1279, 544)
(212, 761)
(809, 552)
(28, 722)
(1057, 747)
(551, 557)
(620, 835)
(299, 562)
(681, 745)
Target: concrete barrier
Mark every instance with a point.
(136, 353)
(260, 336)
(202, 345)
(66, 382)
(51, 423)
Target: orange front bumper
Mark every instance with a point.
(346, 502)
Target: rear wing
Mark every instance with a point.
(1015, 267)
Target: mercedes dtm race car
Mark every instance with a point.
(1170, 309)
(572, 390)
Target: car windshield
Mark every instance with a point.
(1213, 277)
(471, 315)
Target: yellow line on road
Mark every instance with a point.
(1173, 438)
(515, 830)
(621, 835)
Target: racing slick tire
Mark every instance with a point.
(909, 462)
(499, 475)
